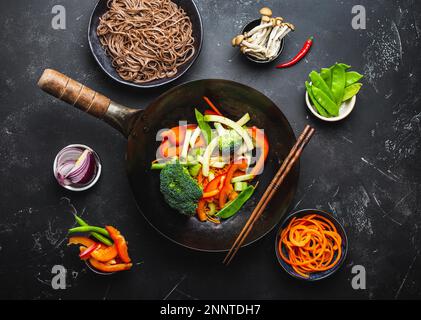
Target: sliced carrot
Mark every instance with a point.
(212, 106)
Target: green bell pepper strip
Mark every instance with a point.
(96, 235)
(338, 83)
(352, 77)
(99, 230)
(204, 126)
(331, 107)
(319, 108)
(351, 91)
(317, 81)
(232, 207)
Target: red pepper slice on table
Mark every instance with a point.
(120, 243)
(305, 49)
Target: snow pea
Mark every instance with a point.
(204, 126)
(323, 99)
(352, 77)
(318, 82)
(351, 91)
(232, 207)
(338, 83)
(326, 75)
(317, 105)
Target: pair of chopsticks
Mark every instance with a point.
(276, 182)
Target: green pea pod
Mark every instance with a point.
(342, 65)
(235, 205)
(331, 107)
(352, 77)
(326, 75)
(204, 126)
(90, 229)
(351, 91)
(318, 107)
(96, 235)
(318, 82)
(338, 83)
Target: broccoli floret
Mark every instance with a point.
(230, 142)
(180, 190)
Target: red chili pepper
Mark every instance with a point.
(299, 56)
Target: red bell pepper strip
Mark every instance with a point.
(227, 188)
(261, 143)
(87, 252)
(105, 254)
(176, 135)
(109, 267)
(120, 243)
(305, 49)
(215, 109)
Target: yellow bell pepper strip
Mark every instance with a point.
(84, 241)
(261, 143)
(109, 267)
(210, 194)
(120, 243)
(86, 254)
(105, 254)
(235, 205)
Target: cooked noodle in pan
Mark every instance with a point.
(146, 39)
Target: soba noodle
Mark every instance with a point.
(146, 39)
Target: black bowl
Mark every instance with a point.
(249, 27)
(104, 60)
(318, 275)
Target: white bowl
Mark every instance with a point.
(344, 110)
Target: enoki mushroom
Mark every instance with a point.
(146, 39)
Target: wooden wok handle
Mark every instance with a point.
(74, 93)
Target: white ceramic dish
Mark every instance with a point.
(98, 173)
(344, 110)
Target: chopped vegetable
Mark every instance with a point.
(105, 254)
(227, 189)
(240, 186)
(229, 142)
(120, 243)
(180, 190)
(96, 235)
(84, 241)
(245, 177)
(243, 121)
(87, 253)
(194, 170)
(351, 91)
(207, 155)
(204, 126)
(243, 133)
(194, 136)
(262, 145)
(235, 205)
(186, 144)
(215, 109)
(109, 267)
(89, 229)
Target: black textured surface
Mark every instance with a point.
(365, 169)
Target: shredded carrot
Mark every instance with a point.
(310, 244)
(212, 106)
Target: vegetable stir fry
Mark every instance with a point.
(207, 168)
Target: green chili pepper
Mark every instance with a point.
(351, 91)
(90, 229)
(318, 82)
(338, 83)
(235, 205)
(96, 235)
(352, 77)
(326, 75)
(317, 105)
(204, 126)
(331, 107)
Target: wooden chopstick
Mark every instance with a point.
(283, 171)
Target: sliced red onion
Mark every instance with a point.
(75, 166)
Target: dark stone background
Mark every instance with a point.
(364, 169)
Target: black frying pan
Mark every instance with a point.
(141, 126)
(105, 62)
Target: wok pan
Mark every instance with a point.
(140, 128)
